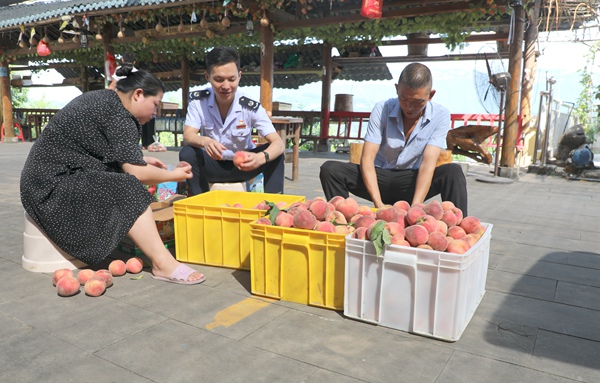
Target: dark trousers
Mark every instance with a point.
(342, 178)
(148, 133)
(207, 170)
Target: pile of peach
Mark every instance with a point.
(94, 283)
(436, 225)
(263, 205)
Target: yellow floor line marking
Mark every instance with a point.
(236, 312)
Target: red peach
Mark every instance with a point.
(371, 226)
(264, 221)
(471, 239)
(447, 205)
(284, 219)
(355, 217)
(437, 241)
(458, 246)
(366, 210)
(240, 157)
(360, 233)
(95, 287)
(416, 235)
(365, 221)
(238, 205)
(456, 232)
(413, 215)
(418, 204)
(106, 275)
(134, 265)
(67, 286)
(442, 227)
(459, 215)
(399, 240)
(281, 204)
(336, 217)
(434, 209)
(403, 205)
(470, 224)
(427, 221)
(449, 218)
(325, 226)
(394, 228)
(84, 275)
(344, 229)
(117, 268)
(387, 214)
(261, 206)
(480, 231)
(319, 209)
(348, 207)
(334, 201)
(58, 274)
(425, 246)
(304, 219)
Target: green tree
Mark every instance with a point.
(19, 96)
(586, 115)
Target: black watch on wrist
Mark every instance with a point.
(266, 156)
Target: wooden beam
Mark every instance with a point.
(402, 59)
(7, 111)
(266, 68)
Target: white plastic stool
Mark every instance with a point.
(233, 186)
(40, 254)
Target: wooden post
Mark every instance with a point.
(7, 114)
(325, 94)
(531, 36)
(356, 149)
(511, 113)
(85, 85)
(185, 84)
(266, 68)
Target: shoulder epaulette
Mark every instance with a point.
(199, 94)
(248, 103)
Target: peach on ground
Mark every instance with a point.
(471, 239)
(334, 201)
(442, 227)
(413, 214)
(284, 219)
(437, 241)
(106, 275)
(428, 222)
(325, 226)
(387, 214)
(67, 286)
(366, 210)
(459, 214)
(470, 224)
(264, 221)
(456, 232)
(344, 229)
(117, 268)
(394, 228)
(304, 219)
(371, 226)
(449, 218)
(458, 246)
(416, 235)
(425, 246)
(365, 221)
(404, 205)
(348, 207)
(447, 205)
(58, 274)
(319, 209)
(134, 265)
(84, 275)
(360, 233)
(95, 287)
(434, 208)
(400, 240)
(354, 218)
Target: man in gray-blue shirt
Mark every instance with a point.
(219, 123)
(404, 139)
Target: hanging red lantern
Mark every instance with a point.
(372, 9)
(43, 49)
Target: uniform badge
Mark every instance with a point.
(199, 94)
(241, 125)
(248, 103)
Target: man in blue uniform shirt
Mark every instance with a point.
(404, 139)
(219, 122)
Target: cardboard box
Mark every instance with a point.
(164, 216)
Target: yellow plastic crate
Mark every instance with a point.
(208, 233)
(296, 265)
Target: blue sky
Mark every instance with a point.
(453, 80)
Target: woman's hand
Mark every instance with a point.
(155, 162)
(182, 172)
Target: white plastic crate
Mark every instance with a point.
(420, 291)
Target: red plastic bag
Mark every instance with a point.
(372, 9)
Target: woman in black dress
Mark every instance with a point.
(83, 181)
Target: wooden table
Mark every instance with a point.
(290, 127)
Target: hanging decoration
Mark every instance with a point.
(86, 25)
(226, 22)
(22, 43)
(181, 26)
(43, 49)
(193, 17)
(46, 39)
(61, 39)
(32, 39)
(264, 21)
(159, 27)
(372, 9)
(204, 22)
(249, 26)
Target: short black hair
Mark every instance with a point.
(416, 76)
(140, 79)
(220, 56)
(128, 58)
